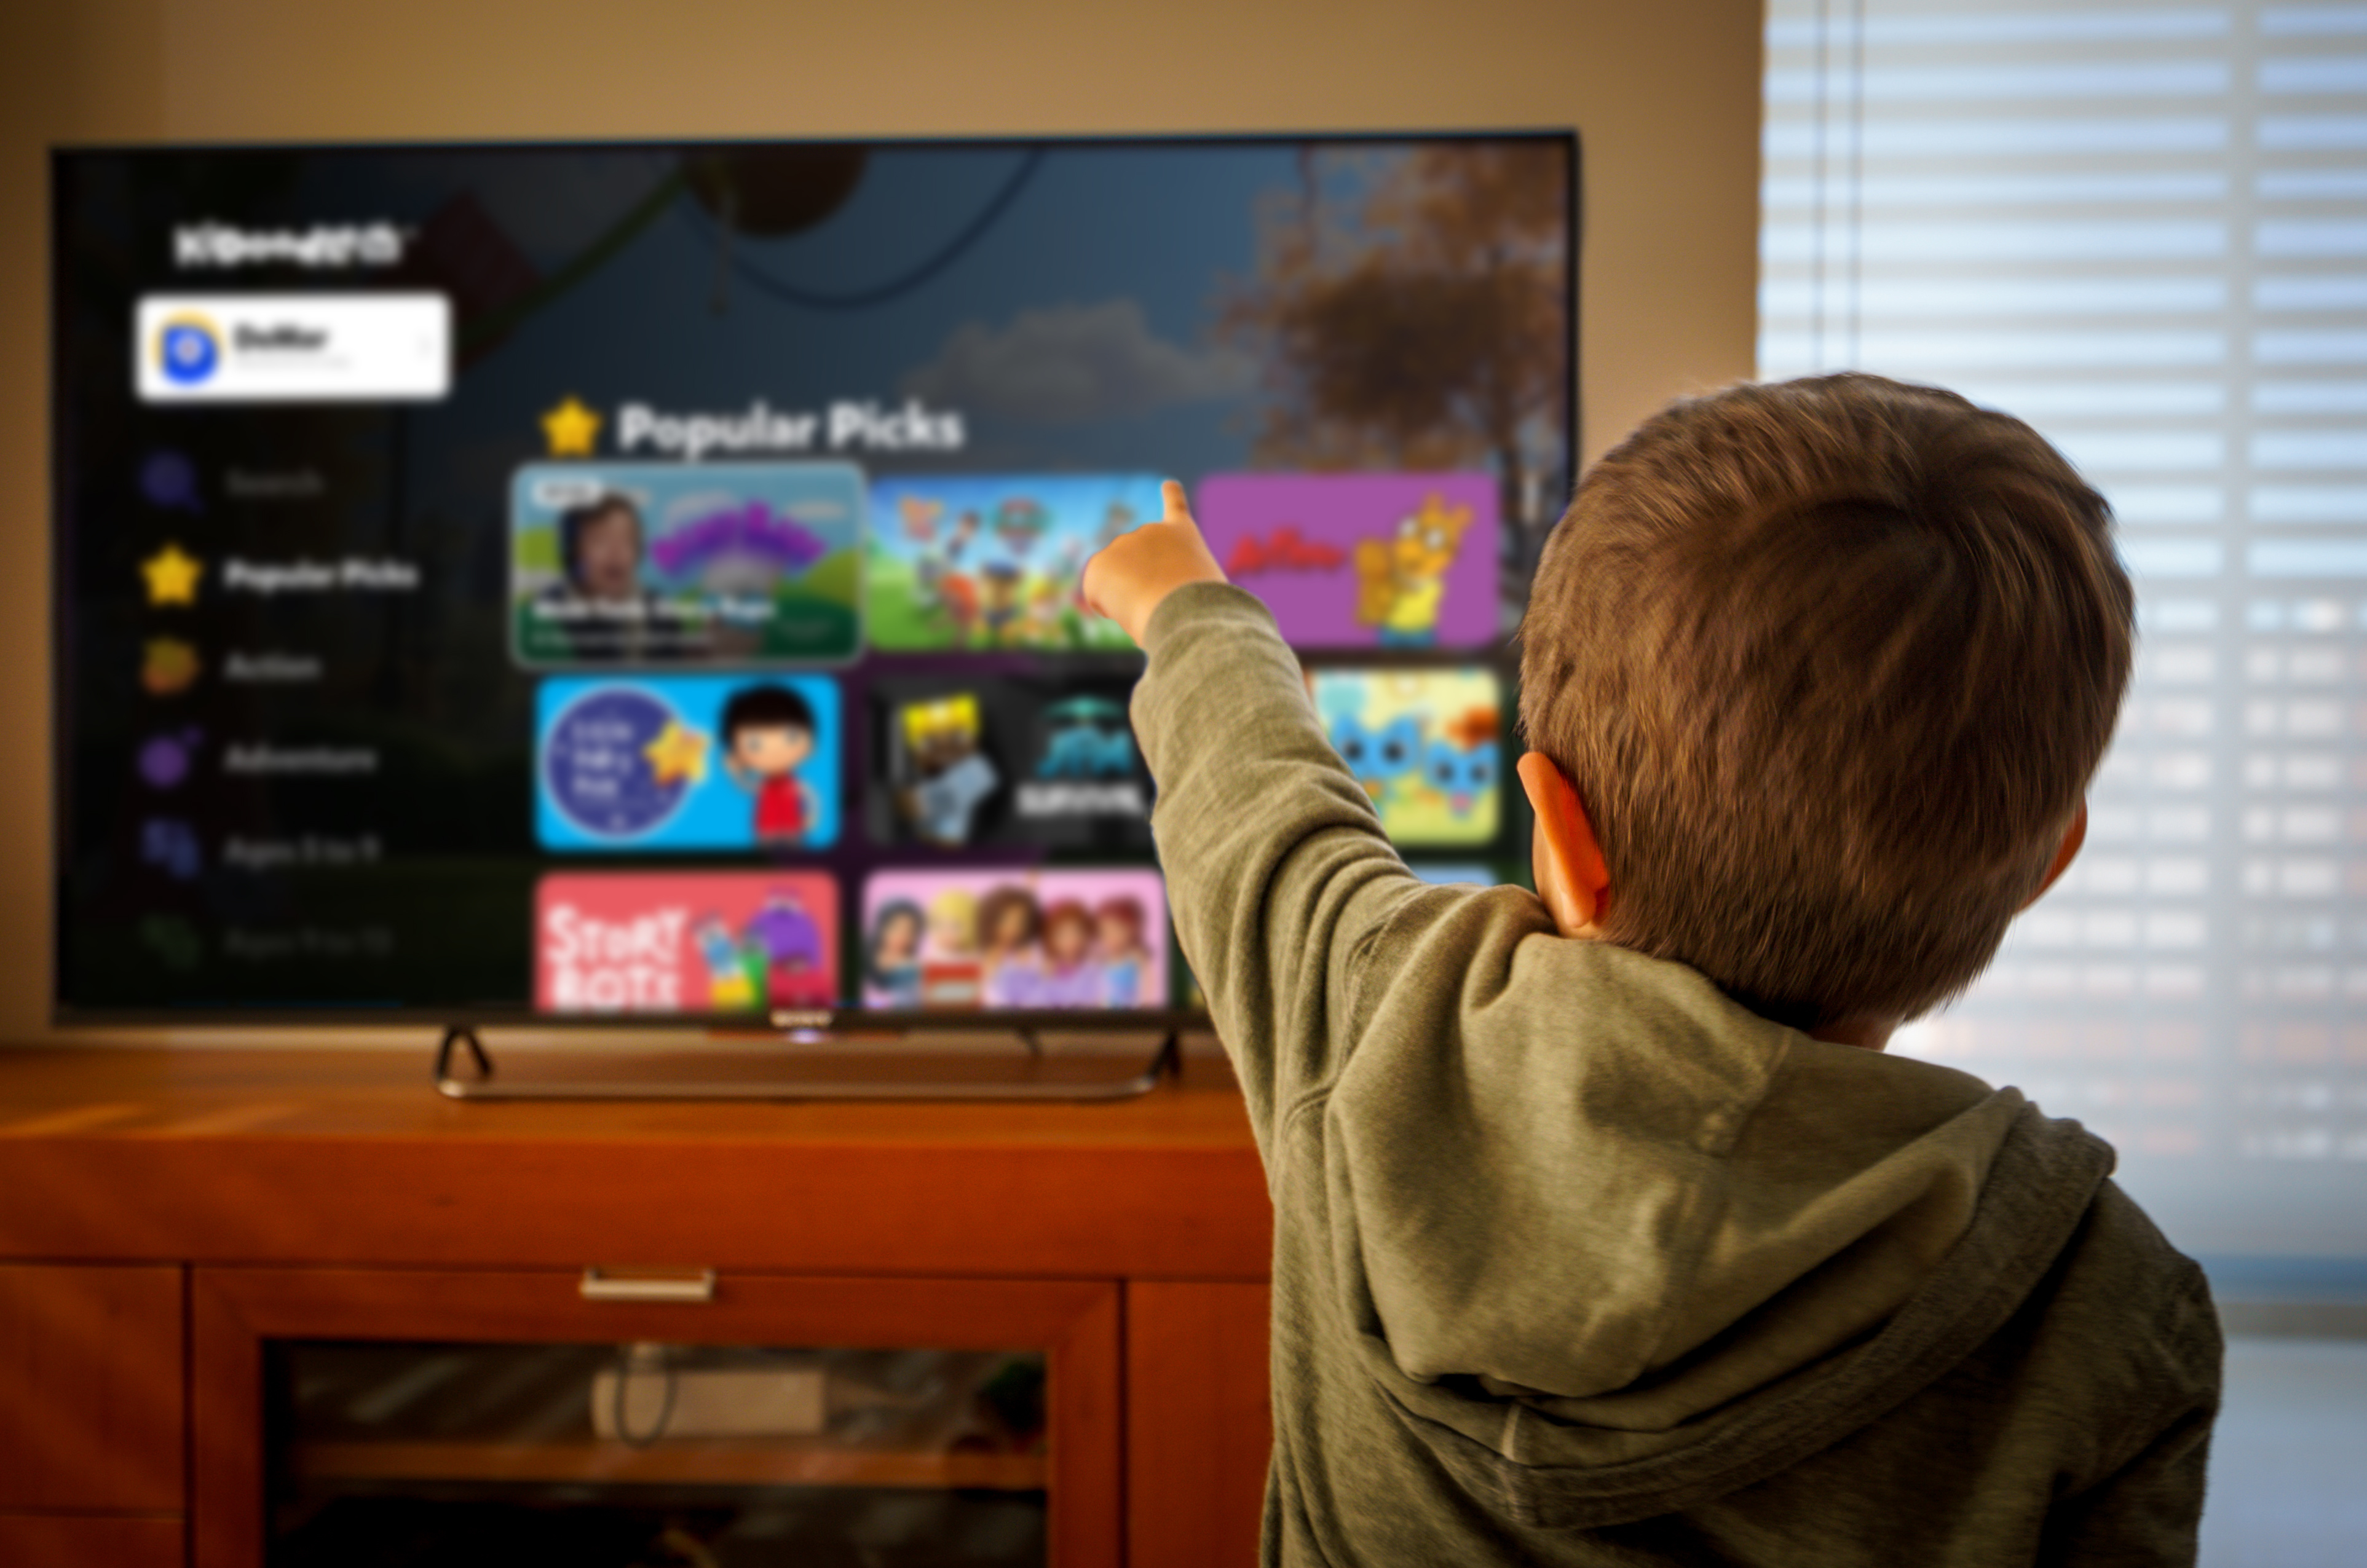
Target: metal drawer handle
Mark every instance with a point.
(597, 1286)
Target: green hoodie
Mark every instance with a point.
(1577, 1261)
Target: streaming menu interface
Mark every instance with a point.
(643, 581)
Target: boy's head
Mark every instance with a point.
(1828, 663)
(769, 730)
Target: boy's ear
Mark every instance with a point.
(1571, 878)
(2068, 851)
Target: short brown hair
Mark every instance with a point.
(1830, 663)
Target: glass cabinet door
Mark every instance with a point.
(706, 1456)
(375, 1419)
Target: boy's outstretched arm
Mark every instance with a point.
(1276, 866)
(1133, 574)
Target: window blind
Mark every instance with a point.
(2143, 228)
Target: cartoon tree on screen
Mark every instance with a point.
(1410, 312)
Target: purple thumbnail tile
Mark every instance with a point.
(1361, 561)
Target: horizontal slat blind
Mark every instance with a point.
(2143, 229)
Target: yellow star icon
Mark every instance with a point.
(172, 576)
(571, 428)
(678, 752)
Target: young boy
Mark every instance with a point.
(1605, 1231)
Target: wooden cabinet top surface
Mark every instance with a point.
(108, 1092)
(350, 1156)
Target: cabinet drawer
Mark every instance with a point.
(347, 1403)
(90, 1389)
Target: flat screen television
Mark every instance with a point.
(594, 581)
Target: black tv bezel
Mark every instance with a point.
(847, 1022)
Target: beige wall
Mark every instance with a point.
(1665, 94)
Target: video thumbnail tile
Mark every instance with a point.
(688, 763)
(993, 561)
(1361, 561)
(1424, 743)
(1015, 939)
(1007, 759)
(685, 942)
(673, 563)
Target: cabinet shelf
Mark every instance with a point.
(672, 1461)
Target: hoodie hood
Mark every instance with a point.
(1609, 1268)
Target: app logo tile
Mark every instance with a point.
(188, 350)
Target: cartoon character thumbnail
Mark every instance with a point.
(688, 763)
(671, 563)
(1361, 561)
(981, 562)
(1013, 760)
(1424, 743)
(1015, 939)
(688, 942)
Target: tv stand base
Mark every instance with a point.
(1032, 1073)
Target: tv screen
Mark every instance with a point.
(618, 582)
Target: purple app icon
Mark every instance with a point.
(166, 759)
(170, 481)
(1361, 561)
(171, 845)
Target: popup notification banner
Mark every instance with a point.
(1361, 561)
(673, 563)
(688, 763)
(672, 942)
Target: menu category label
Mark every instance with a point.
(274, 484)
(366, 574)
(271, 668)
(263, 759)
(282, 944)
(307, 849)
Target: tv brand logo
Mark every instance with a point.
(322, 247)
(188, 350)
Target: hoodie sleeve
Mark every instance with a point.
(1278, 874)
(2147, 1513)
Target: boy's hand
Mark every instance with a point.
(1130, 576)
